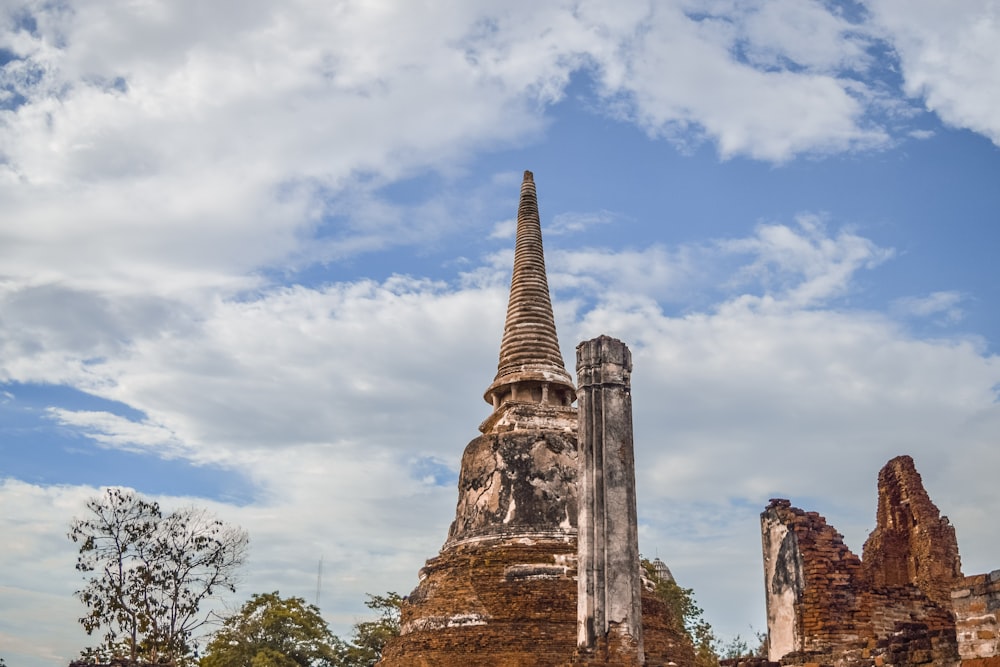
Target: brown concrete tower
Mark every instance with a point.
(502, 591)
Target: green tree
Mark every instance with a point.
(370, 637)
(271, 631)
(149, 573)
(688, 615)
(735, 648)
(739, 647)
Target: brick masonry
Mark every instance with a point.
(976, 602)
(904, 603)
(503, 590)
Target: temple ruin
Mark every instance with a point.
(541, 564)
(904, 602)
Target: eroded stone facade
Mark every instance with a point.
(609, 598)
(912, 544)
(904, 602)
(503, 590)
(976, 603)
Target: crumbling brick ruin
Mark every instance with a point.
(912, 544)
(504, 591)
(976, 603)
(905, 602)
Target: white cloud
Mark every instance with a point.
(949, 57)
(945, 305)
(679, 76)
(778, 266)
(146, 152)
(114, 431)
(573, 222)
(810, 34)
(330, 400)
(155, 157)
(505, 229)
(627, 275)
(805, 266)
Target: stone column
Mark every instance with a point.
(609, 582)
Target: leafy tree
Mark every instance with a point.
(738, 647)
(271, 631)
(735, 648)
(150, 572)
(688, 615)
(370, 637)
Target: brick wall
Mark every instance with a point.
(976, 602)
(912, 543)
(814, 589)
(515, 601)
(893, 606)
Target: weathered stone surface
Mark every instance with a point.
(811, 583)
(517, 483)
(609, 581)
(503, 590)
(477, 604)
(912, 544)
(530, 360)
(976, 603)
(893, 607)
(513, 602)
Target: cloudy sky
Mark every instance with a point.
(254, 257)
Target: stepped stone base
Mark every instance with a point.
(511, 603)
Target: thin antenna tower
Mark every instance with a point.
(319, 580)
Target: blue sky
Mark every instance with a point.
(255, 258)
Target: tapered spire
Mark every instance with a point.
(531, 367)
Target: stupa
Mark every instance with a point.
(504, 589)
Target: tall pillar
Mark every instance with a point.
(608, 542)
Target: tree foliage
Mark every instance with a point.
(739, 647)
(148, 573)
(688, 615)
(370, 637)
(271, 631)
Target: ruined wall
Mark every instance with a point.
(812, 583)
(976, 602)
(892, 607)
(912, 543)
